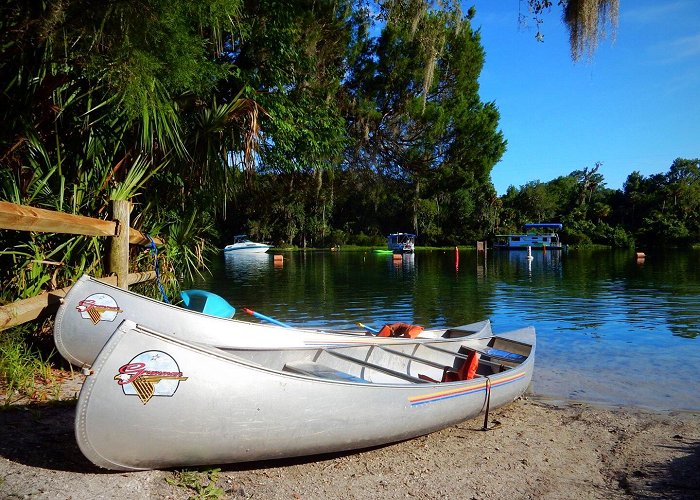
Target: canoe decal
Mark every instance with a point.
(98, 307)
(151, 373)
(462, 391)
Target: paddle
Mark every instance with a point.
(265, 318)
(368, 328)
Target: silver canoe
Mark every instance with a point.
(157, 401)
(91, 310)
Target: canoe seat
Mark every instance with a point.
(490, 352)
(312, 369)
(504, 355)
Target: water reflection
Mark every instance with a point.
(517, 262)
(403, 263)
(243, 267)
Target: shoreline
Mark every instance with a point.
(535, 448)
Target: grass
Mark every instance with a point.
(24, 371)
(201, 484)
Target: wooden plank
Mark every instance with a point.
(138, 238)
(24, 310)
(25, 218)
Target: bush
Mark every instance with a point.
(369, 240)
(338, 237)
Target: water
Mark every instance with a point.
(610, 330)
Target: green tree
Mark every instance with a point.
(413, 106)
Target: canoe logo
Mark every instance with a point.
(98, 307)
(151, 373)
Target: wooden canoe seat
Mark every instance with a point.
(312, 369)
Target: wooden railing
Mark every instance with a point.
(25, 218)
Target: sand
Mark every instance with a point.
(534, 449)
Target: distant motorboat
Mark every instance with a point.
(242, 244)
(537, 236)
(401, 242)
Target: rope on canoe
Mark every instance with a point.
(488, 402)
(154, 251)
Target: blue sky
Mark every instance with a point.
(635, 106)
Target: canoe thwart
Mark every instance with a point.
(379, 368)
(311, 369)
(415, 358)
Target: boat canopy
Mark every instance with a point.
(554, 225)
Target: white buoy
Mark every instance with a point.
(529, 253)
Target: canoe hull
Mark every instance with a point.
(216, 408)
(92, 310)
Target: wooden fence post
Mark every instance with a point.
(119, 248)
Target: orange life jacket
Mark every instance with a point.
(466, 371)
(400, 330)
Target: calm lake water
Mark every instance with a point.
(609, 329)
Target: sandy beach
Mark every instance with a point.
(534, 449)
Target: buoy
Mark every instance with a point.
(529, 253)
(456, 258)
(278, 260)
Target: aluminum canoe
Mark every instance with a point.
(91, 310)
(157, 401)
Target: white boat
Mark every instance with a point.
(241, 244)
(401, 242)
(154, 400)
(91, 310)
(537, 236)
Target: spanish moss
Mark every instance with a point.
(588, 22)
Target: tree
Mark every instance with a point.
(589, 181)
(414, 111)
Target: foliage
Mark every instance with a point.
(659, 210)
(20, 365)
(413, 108)
(202, 484)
